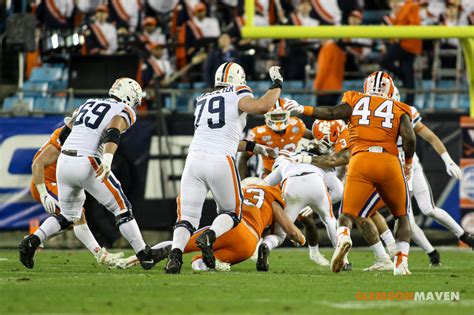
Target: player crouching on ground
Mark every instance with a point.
(44, 189)
(262, 207)
(85, 164)
(375, 122)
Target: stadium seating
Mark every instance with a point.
(9, 102)
(50, 104)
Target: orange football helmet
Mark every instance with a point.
(379, 83)
(278, 117)
(326, 133)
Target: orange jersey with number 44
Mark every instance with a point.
(375, 121)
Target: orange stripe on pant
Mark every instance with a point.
(236, 185)
(330, 204)
(178, 202)
(107, 183)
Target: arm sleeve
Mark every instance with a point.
(129, 114)
(242, 91)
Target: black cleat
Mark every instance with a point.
(262, 258)
(175, 261)
(160, 253)
(435, 258)
(145, 256)
(347, 267)
(205, 242)
(468, 239)
(27, 250)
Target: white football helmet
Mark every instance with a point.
(379, 83)
(396, 94)
(278, 117)
(229, 73)
(128, 91)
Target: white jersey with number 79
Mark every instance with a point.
(218, 122)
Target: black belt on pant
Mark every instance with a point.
(69, 152)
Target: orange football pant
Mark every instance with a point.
(233, 247)
(371, 173)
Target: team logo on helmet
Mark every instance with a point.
(326, 133)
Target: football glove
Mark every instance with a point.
(451, 168)
(275, 75)
(264, 150)
(105, 168)
(294, 107)
(48, 202)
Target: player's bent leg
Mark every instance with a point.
(402, 235)
(384, 232)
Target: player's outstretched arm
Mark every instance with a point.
(409, 142)
(290, 229)
(333, 160)
(113, 131)
(48, 156)
(341, 111)
(428, 135)
(263, 104)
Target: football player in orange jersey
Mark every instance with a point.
(263, 207)
(375, 122)
(44, 189)
(282, 132)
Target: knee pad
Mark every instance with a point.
(236, 218)
(124, 217)
(63, 222)
(185, 224)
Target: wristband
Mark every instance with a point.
(409, 161)
(250, 146)
(308, 110)
(277, 84)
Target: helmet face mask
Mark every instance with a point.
(228, 74)
(127, 91)
(379, 84)
(278, 118)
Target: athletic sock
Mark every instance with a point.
(379, 251)
(443, 218)
(313, 250)
(84, 234)
(272, 241)
(388, 239)
(181, 236)
(162, 244)
(132, 234)
(49, 227)
(222, 224)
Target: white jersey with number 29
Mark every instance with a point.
(218, 122)
(90, 122)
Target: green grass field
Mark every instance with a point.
(71, 282)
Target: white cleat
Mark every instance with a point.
(222, 266)
(392, 250)
(319, 259)
(105, 258)
(400, 262)
(126, 263)
(381, 265)
(344, 245)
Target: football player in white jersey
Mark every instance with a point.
(85, 164)
(220, 118)
(303, 186)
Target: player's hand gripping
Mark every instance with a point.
(451, 168)
(105, 168)
(47, 201)
(264, 150)
(276, 76)
(294, 107)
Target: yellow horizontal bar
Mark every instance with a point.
(386, 32)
